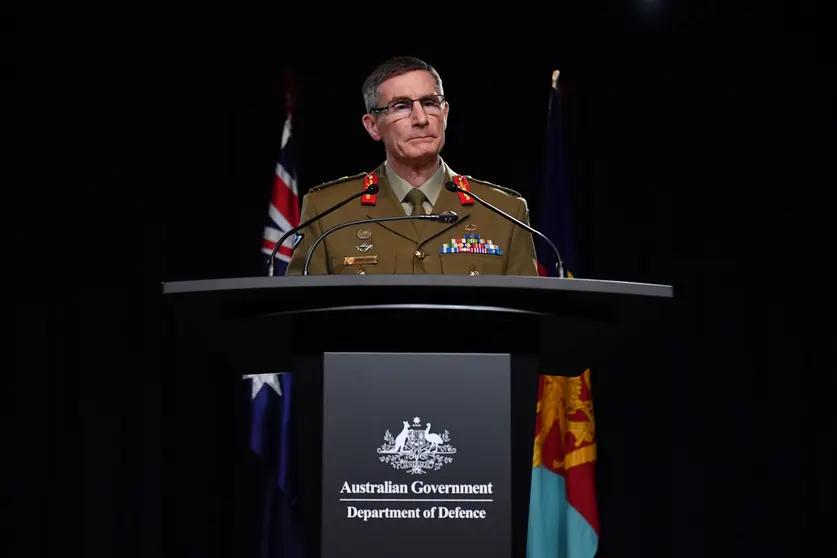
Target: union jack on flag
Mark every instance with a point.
(283, 211)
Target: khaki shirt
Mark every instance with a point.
(411, 246)
(431, 188)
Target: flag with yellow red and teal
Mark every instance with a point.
(563, 511)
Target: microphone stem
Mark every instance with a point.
(303, 225)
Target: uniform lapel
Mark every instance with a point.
(389, 206)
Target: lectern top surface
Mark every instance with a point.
(508, 313)
(435, 281)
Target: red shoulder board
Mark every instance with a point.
(369, 199)
(464, 198)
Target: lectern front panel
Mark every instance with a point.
(416, 455)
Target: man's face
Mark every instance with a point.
(412, 126)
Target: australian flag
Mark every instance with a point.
(283, 211)
(271, 428)
(554, 218)
(272, 440)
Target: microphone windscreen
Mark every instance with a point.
(448, 217)
(451, 186)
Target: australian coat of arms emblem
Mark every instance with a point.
(416, 450)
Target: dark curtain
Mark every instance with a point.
(145, 153)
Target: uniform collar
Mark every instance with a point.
(431, 188)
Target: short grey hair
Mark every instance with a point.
(391, 68)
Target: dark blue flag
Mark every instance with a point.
(272, 439)
(554, 215)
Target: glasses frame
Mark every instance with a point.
(380, 110)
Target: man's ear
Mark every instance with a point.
(445, 114)
(371, 125)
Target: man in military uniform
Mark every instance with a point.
(407, 111)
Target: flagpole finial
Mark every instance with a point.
(555, 75)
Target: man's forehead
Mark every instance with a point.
(408, 86)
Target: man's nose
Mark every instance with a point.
(419, 114)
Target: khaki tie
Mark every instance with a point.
(417, 198)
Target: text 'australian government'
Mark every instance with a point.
(416, 487)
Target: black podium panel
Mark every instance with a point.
(479, 342)
(416, 443)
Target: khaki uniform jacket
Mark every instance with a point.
(412, 246)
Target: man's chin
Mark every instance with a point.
(424, 150)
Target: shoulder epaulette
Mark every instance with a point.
(370, 198)
(496, 186)
(338, 181)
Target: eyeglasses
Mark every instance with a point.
(400, 108)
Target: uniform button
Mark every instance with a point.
(420, 254)
(475, 272)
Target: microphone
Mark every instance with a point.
(372, 189)
(452, 187)
(447, 217)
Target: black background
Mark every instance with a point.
(145, 149)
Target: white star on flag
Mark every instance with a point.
(260, 380)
